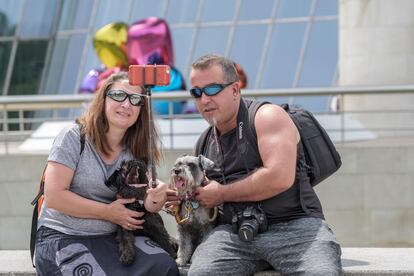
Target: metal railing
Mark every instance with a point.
(20, 116)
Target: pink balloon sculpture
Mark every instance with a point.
(149, 36)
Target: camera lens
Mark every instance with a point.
(248, 230)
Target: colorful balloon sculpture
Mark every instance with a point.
(149, 36)
(110, 44)
(90, 81)
(146, 41)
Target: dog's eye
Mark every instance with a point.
(192, 166)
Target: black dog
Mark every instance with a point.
(134, 172)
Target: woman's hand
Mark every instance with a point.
(159, 193)
(156, 197)
(119, 214)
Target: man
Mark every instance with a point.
(260, 167)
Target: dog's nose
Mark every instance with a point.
(177, 171)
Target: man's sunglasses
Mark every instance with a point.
(209, 90)
(120, 96)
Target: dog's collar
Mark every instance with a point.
(191, 204)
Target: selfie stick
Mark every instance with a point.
(147, 88)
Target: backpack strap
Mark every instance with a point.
(247, 113)
(38, 200)
(253, 106)
(35, 214)
(82, 137)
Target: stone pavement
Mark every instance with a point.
(355, 261)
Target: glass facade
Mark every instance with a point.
(46, 45)
(29, 62)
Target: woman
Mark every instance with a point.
(80, 214)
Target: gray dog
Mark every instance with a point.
(194, 221)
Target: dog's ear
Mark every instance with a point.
(112, 182)
(205, 163)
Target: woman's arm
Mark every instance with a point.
(58, 196)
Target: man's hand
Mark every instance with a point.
(172, 199)
(210, 195)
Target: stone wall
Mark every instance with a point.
(376, 48)
(369, 202)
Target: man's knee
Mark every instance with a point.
(198, 270)
(324, 271)
(227, 267)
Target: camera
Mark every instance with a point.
(248, 222)
(153, 75)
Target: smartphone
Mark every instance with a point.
(151, 74)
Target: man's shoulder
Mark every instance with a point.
(272, 118)
(272, 112)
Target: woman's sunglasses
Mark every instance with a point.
(209, 90)
(120, 96)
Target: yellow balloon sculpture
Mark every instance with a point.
(110, 44)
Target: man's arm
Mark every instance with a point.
(277, 139)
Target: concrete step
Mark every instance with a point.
(355, 261)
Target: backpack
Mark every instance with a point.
(321, 156)
(37, 202)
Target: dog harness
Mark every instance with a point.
(189, 205)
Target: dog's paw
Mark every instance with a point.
(127, 259)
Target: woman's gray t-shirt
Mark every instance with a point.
(90, 174)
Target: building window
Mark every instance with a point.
(37, 18)
(279, 43)
(28, 67)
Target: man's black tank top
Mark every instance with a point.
(235, 159)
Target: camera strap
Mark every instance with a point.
(242, 127)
